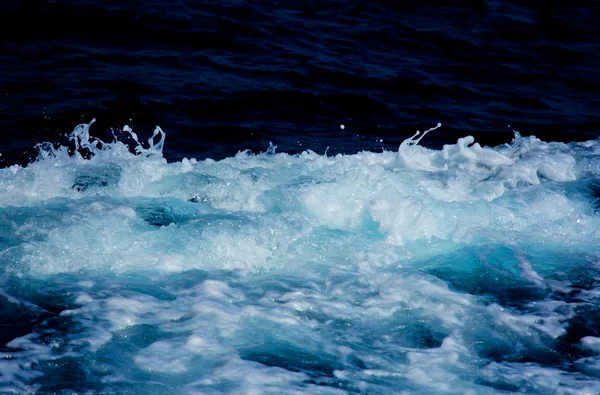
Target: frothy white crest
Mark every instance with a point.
(457, 194)
(464, 151)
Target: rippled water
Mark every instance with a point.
(460, 270)
(223, 76)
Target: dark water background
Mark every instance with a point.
(222, 76)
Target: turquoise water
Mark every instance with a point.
(463, 270)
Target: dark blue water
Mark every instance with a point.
(230, 75)
(401, 266)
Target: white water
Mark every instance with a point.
(462, 270)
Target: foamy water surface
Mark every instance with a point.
(466, 270)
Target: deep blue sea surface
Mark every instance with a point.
(232, 197)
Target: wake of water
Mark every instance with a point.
(463, 270)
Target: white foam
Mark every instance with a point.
(534, 378)
(591, 342)
(277, 273)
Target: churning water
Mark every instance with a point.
(462, 270)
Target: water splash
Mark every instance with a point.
(271, 149)
(153, 149)
(83, 140)
(385, 272)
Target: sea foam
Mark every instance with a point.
(468, 269)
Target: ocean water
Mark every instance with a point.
(340, 198)
(460, 270)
